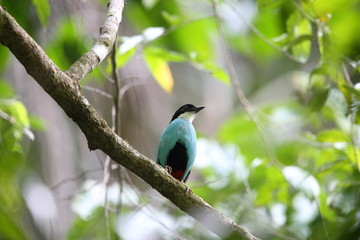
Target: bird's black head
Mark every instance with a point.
(187, 108)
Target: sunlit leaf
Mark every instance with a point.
(159, 69)
(17, 120)
(211, 68)
(332, 136)
(123, 58)
(170, 18)
(168, 55)
(216, 72)
(18, 111)
(221, 75)
(353, 154)
(42, 10)
(195, 36)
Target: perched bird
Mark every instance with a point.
(177, 146)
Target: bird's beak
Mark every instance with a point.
(198, 109)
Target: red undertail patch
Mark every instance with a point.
(177, 174)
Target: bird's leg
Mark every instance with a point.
(187, 188)
(168, 169)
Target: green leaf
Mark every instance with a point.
(10, 227)
(212, 69)
(37, 123)
(123, 58)
(243, 132)
(42, 10)
(318, 100)
(332, 136)
(326, 212)
(159, 69)
(216, 72)
(11, 139)
(173, 20)
(6, 90)
(4, 53)
(353, 90)
(167, 55)
(353, 154)
(18, 111)
(319, 79)
(299, 32)
(195, 36)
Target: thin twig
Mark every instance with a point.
(116, 99)
(347, 75)
(302, 11)
(262, 37)
(151, 213)
(74, 178)
(98, 91)
(106, 181)
(239, 92)
(117, 122)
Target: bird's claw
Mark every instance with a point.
(168, 169)
(187, 188)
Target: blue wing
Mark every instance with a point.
(178, 132)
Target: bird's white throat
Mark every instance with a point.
(188, 116)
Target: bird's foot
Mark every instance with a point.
(168, 169)
(188, 190)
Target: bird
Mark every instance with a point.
(177, 145)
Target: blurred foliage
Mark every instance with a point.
(292, 175)
(14, 123)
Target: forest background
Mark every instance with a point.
(278, 141)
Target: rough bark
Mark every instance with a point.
(88, 61)
(64, 89)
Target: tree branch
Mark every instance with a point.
(88, 61)
(65, 91)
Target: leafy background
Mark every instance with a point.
(284, 163)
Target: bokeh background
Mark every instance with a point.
(283, 162)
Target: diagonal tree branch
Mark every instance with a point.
(88, 61)
(65, 91)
